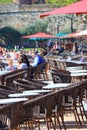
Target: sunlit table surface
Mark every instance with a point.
(77, 62)
(37, 91)
(78, 71)
(78, 74)
(57, 85)
(23, 94)
(85, 100)
(12, 100)
(3, 72)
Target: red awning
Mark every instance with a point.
(82, 34)
(40, 35)
(71, 35)
(76, 8)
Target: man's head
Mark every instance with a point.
(10, 62)
(34, 54)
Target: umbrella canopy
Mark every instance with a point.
(82, 34)
(61, 34)
(71, 35)
(40, 35)
(76, 8)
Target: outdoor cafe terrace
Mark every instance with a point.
(55, 98)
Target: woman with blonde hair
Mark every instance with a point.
(10, 65)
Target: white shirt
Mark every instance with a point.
(23, 66)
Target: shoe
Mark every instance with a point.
(2, 125)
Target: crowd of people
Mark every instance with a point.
(23, 59)
(33, 57)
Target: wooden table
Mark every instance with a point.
(75, 77)
(11, 100)
(37, 91)
(29, 94)
(56, 86)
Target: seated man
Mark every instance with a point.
(37, 59)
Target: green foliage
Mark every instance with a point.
(61, 2)
(10, 36)
(37, 26)
(5, 1)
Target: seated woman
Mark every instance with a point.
(10, 65)
(23, 62)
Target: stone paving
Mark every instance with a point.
(69, 122)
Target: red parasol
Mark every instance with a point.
(76, 8)
(71, 35)
(82, 34)
(40, 35)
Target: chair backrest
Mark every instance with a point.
(3, 66)
(23, 84)
(6, 90)
(59, 99)
(9, 73)
(50, 104)
(16, 113)
(9, 79)
(63, 75)
(37, 84)
(73, 92)
(47, 101)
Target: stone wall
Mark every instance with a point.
(18, 16)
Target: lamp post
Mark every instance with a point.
(48, 26)
(71, 17)
(58, 25)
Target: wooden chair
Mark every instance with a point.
(28, 84)
(3, 66)
(42, 70)
(34, 81)
(17, 115)
(9, 79)
(48, 103)
(71, 106)
(80, 99)
(37, 84)
(23, 85)
(59, 75)
(9, 73)
(58, 111)
(6, 90)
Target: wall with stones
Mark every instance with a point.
(18, 16)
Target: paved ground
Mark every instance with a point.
(69, 119)
(70, 124)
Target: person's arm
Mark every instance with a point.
(36, 61)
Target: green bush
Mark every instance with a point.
(9, 36)
(5, 1)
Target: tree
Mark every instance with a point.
(37, 26)
(9, 36)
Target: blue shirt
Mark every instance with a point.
(8, 68)
(38, 60)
